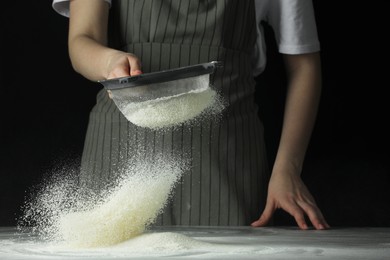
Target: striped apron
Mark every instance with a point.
(228, 179)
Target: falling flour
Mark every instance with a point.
(122, 213)
(79, 217)
(125, 214)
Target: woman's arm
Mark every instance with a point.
(87, 42)
(286, 189)
(303, 96)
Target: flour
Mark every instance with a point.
(166, 242)
(79, 217)
(125, 211)
(174, 110)
(156, 244)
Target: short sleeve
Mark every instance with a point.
(62, 6)
(294, 25)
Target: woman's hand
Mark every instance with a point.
(287, 191)
(121, 64)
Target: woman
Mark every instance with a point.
(229, 176)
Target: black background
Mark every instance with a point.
(45, 106)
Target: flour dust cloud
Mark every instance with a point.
(64, 212)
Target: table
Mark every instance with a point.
(217, 243)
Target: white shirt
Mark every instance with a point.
(293, 22)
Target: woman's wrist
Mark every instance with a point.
(287, 166)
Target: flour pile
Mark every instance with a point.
(64, 213)
(162, 242)
(173, 110)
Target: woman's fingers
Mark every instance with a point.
(122, 64)
(315, 215)
(118, 72)
(295, 199)
(297, 213)
(265, 216)
(135, 65)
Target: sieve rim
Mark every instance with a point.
(161, 76)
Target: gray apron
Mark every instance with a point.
(228, 179)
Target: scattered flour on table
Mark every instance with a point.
(151, 244)
(167, 242)
(71, 216)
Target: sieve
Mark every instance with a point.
(154, 86)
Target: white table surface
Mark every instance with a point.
(224, 243)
